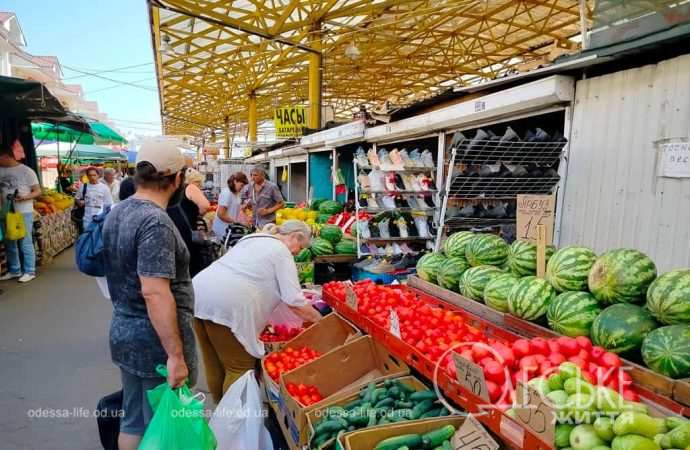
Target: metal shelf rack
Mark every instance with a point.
(476, 152)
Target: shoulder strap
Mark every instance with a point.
(83, 190)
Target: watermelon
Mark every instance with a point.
(621, 328)
(666, 350)
(303, 256)
(330, 207)
(428, 265)
(450, 271)
(475, 279)
(668, 297)
(572, 313)
(568, 268)
(522, 257)
(456, 243)
(323, 218)
(497, 290)
(321, 246)
(331, 233)
(346, 247)
(621, 276)
(530, 298)
(486, 250)
(316, 203)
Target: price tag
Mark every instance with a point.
(535, 413)
(394, 324)
(350, 297)
(471, 377)
(472, 436)
(532, 211)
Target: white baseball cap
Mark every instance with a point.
(163, 154)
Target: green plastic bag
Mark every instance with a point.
(179, 421)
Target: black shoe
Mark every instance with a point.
(534, 171)
(550, 173)
(489, 170)
(493, 136)
(399, 182)
(542, 136)
(399, 202)
(374, 230)
(558, 137)
(467, 211)
(513, 170)
(529, 136)
(363, 202)
(510, 210)
(497, 211)
(393, 229)
(428, 200)
(510, 136)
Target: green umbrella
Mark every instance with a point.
(50, 132)
(105, 134)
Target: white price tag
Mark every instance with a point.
(394, 324)
(350, 296)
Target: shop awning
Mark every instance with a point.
(81, 152)
(43, 131)
(106, 135)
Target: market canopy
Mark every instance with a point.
(215, 58)
(106, 135)
(80, 152)
(99, 133)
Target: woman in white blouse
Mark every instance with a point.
(235, 296)
(229, 205)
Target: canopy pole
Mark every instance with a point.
(315, 79)
(226, 144)
(252, 118)
(583, 24)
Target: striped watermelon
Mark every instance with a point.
(450, 271)
(497, 290)
(666, 350)
(475, 279)
(622, 328)
(456, 243)
(568, 268)
(486, 250)
(346, 247)
(303, 256)
(427, 266)
(321, 246)
(668, 297)
(621, 276)
(530, 297)
(572, 313)
(331, 233)
(522, 257)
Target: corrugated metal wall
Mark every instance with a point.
(613, 197)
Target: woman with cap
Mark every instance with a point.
(236, 295)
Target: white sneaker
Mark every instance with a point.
(10, 276)
(26, 278)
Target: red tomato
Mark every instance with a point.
(609, 359)
(631, 395)
(584, 355)
(495, 372)
(546, 368)
(539, 358)
(584, 343)
(467, 354)
(597, 352)
(568, 346)
(507, 356)
(624, 379)
(529, 364)
(494, 391)
(521, 348)
(486, 360)
(553, 346)
(539, 345)
(588, 377)
(579, 362)
(556, 358)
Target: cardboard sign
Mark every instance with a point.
(535, 413)
(394, 324)
(472, 436)
(675, 160)
(350, 297)
(289, 121)
(471, 377)
(541, 251)
(532, 211)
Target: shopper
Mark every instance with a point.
(147, 268)
(18, 186)
(66, 181)
(236, 295)
(229, 205)
(93, 197)
(263, 197)
(112, 183)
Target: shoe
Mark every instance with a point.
(373, 159)
(26, 277)
(396, 159)
(412, 201)
(416, 158)
(361, 157)
(467, 211)
(390, 182)
(401, 202)
(363, 203)
(384, 229)
(10, 276)
(382, 267)
(401, 224)
(408, 182)
(364, 250)
(496, 211)
(489, 170)
(407, 250)
(373, 203)
(425, 183)
(510, 136)
(366, 261)
(458, 139)
(407, 162)
(427, 159)
(385, 160)
(542, 136)
(558, 137)
(493, 136)
(550, 173)
(513, 170)
(534, 171)
(363, 180)
(363, 229)
(422, 226)
(399, 182)
(388, 201)
(529, 136)
(511, 210)
(377, 181)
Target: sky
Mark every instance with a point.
(95, 36)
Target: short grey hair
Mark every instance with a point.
(109, 171)
(259, 169)
(289, 227)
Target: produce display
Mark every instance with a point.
(474, 280)
(304, 394)
(666, 350)
(52, 201)
(568, 268)
(321, 247)
(486, 250)
(621, 276)
(622, 328)
(393, 402)
(456, 243)
(573, 313)
(434, 439)
(668, 297)
(498, 289)
(287, 359)
(279, 333)
(522, 257)
(530, 298)
(450, 271)
(428, 266)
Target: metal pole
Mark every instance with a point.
(583, 24)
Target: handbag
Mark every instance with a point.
(78, 211)
(108, 419)
(14, 224)
(207, 250)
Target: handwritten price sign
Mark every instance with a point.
(394, 324)
(350, 296)
(532, 211)
(472, 436)
(535, 413)
(471, 377)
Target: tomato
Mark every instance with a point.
(609, 359)
(584, 355)
(597, 352)
(624, 379)
(568, 346)
(495, 372)
(630, 395)
(521, 348)
(529, 364)
(480, 351)
(494, 391)
(556, 359)
(539, 345)
(584, 343)
(579, 362)
(506, 355)
(553, 346)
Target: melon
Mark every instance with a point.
(474, 281)
(622, 328)
(331, 233)
(486, 250)
(321, 247)
(450, 271)
(346, 247)
(330, 207)
(522, 257)
(621, 276)
(666, 350)
(568, 268)
(456, 243)
(530, 298)
(573, 313)
(303, 256)
(497, 290)
(668, 297)
(428, 265)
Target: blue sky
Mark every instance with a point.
(93, 36)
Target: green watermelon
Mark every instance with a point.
(497, 290)
(530, 298)
(303, 256)
(331, 233)
(572, 313)
(622, 328)
(666, 350)
(456, 243)
(486, 250)
(450, 271)
(428, 265)
(522, 257)
(346, 247)
(475, 279)
(330, 207)
(621, 276)
(321, 247)
(568, 268)
(316, 203)
(323, 218)
(668, 297)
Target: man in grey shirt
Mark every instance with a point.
(147, 268)
(263, 197)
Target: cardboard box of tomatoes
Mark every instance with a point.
(327, 334)
(338, 372)
(369, 438)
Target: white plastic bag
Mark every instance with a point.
(282, 315)
(238, 420)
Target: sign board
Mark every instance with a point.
(674, 160)
(472, 436)
(532, 211)
(471, 377)
(289, 121)
(394, 324)
(350, 296)
(247, 152)
(535, 413)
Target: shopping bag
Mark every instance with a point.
(282, 315)
(238, 421)
(178, 421)
(14, 226)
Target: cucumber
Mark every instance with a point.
(401, 404)
(394, 391)
(388, 401)
(395, 442)
(358, 416)
(422, 395)
(437, 436)
(369, 392)
(336, 411)
(446, 445)
(320, 439)
(377, 395)
(675, 421)
(330, 426)
(633, 441)
(404, 387)
(630, 422)
(431, 413)
(399, 414)
(372, 417)
(421, 407)
(353, 404)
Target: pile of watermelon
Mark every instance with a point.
(616, 298)
(331, 242)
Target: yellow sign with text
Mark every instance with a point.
(289, 121)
